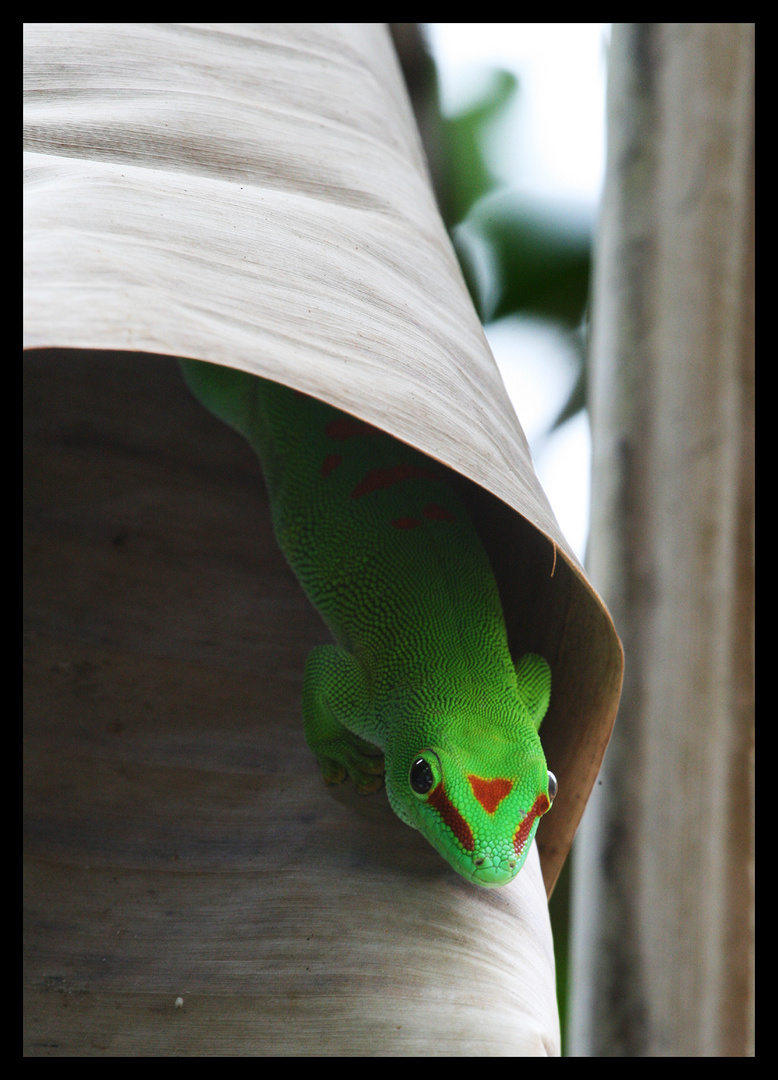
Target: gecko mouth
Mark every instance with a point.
(491, 872)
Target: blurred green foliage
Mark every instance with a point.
(468, 176)
(518, 257)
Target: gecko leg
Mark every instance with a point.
(335, 700)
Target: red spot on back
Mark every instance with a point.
(406, 523)
(330, 462)
(438, 513)
(539, 807)
(346, 427)
(380, 478)
(490, 793)
(452, 817)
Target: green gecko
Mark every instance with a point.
(419, 685)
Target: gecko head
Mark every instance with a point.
(481, 818)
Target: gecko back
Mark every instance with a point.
(420, 679)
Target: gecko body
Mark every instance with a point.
(418, 688)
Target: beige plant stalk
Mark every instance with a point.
(256, 196)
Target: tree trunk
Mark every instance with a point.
(663, 955)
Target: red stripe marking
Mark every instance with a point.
(330, 462)
(437, 513)
(346, 427)
(406, 523)
(377, 479)
(490, 793)
(452, 817)
(539, 807)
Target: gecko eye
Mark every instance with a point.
(552, 787)
(421, 776)
(425, 772)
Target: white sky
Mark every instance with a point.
(550, 146)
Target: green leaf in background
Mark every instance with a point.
(524, 258)
(519, 256)
(468, 175)
(540, 255)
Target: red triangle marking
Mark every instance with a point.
(490, 793)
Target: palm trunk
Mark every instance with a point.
(664, 868)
